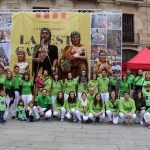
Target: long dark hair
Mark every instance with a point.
(95, 100)
(116, 96)
(60, 100)
(86, 77)
(23, 78)
(70, 100)
(136, 99)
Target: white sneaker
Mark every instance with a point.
(62, 119)
(141, 122)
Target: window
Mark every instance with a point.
(128, 27)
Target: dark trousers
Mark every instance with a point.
(1, 116)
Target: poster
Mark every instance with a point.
(27, 26)
(106, 35)
(5, 39)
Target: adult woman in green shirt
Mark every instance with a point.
(140, 107)
(112, 108)
(124, 86)
(82, 83)
(93, 83)
(97, 108)
(56, 86)
(70, 84)
(26, 89)
(60, 106)
(71, 106)
(82, 108)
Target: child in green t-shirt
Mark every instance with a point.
(2, 106)
(21, 111)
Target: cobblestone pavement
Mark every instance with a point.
(55, 135)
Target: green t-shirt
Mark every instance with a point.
(47, 83)
(58, 106)
(103, 83)
(127, 106)
(2, 79)
(26, 87)
(17, 79)
(70, 106)
(2, 103)
(138, 81)
(69, 85)
(9, 84)
(113, 106)
(43, 101)
(56, 87)
(80, 107)
(90, 97)
(21, 112)
(93, 84)
(113, 81)
(131, 78)
(96, 109)
(124, 86)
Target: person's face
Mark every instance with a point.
(126, 96)
(69, 75)
(9, 75)
(94, 76)
(83, 73)
(60, 95)
(140, 72)
(45, 73)
(16, 70)
(103, 73)
(1, 71)
(21, 56)
(75, 39)
(26, 77)
(84, 96)
(44, 93)
(124, 78)
(72, 95)
(2, 93)
(98, 97)
(21, 103)
(45, 35)
(56, 77)
(139, 95)
(128, 72)
(113, 95)
(102, 57)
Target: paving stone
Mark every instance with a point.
(130, 147)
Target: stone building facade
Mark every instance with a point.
(136, 16)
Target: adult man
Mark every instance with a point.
(127, 109)
(131, 77)
(17, 77)
(45, 55)
(103, 84)
(44, 104)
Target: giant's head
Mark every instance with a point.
(75, 37)
(45, 34)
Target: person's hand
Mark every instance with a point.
(53, 68)
(42, 114)
(143, 108)
(38, 60)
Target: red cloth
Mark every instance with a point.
(140, 61)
